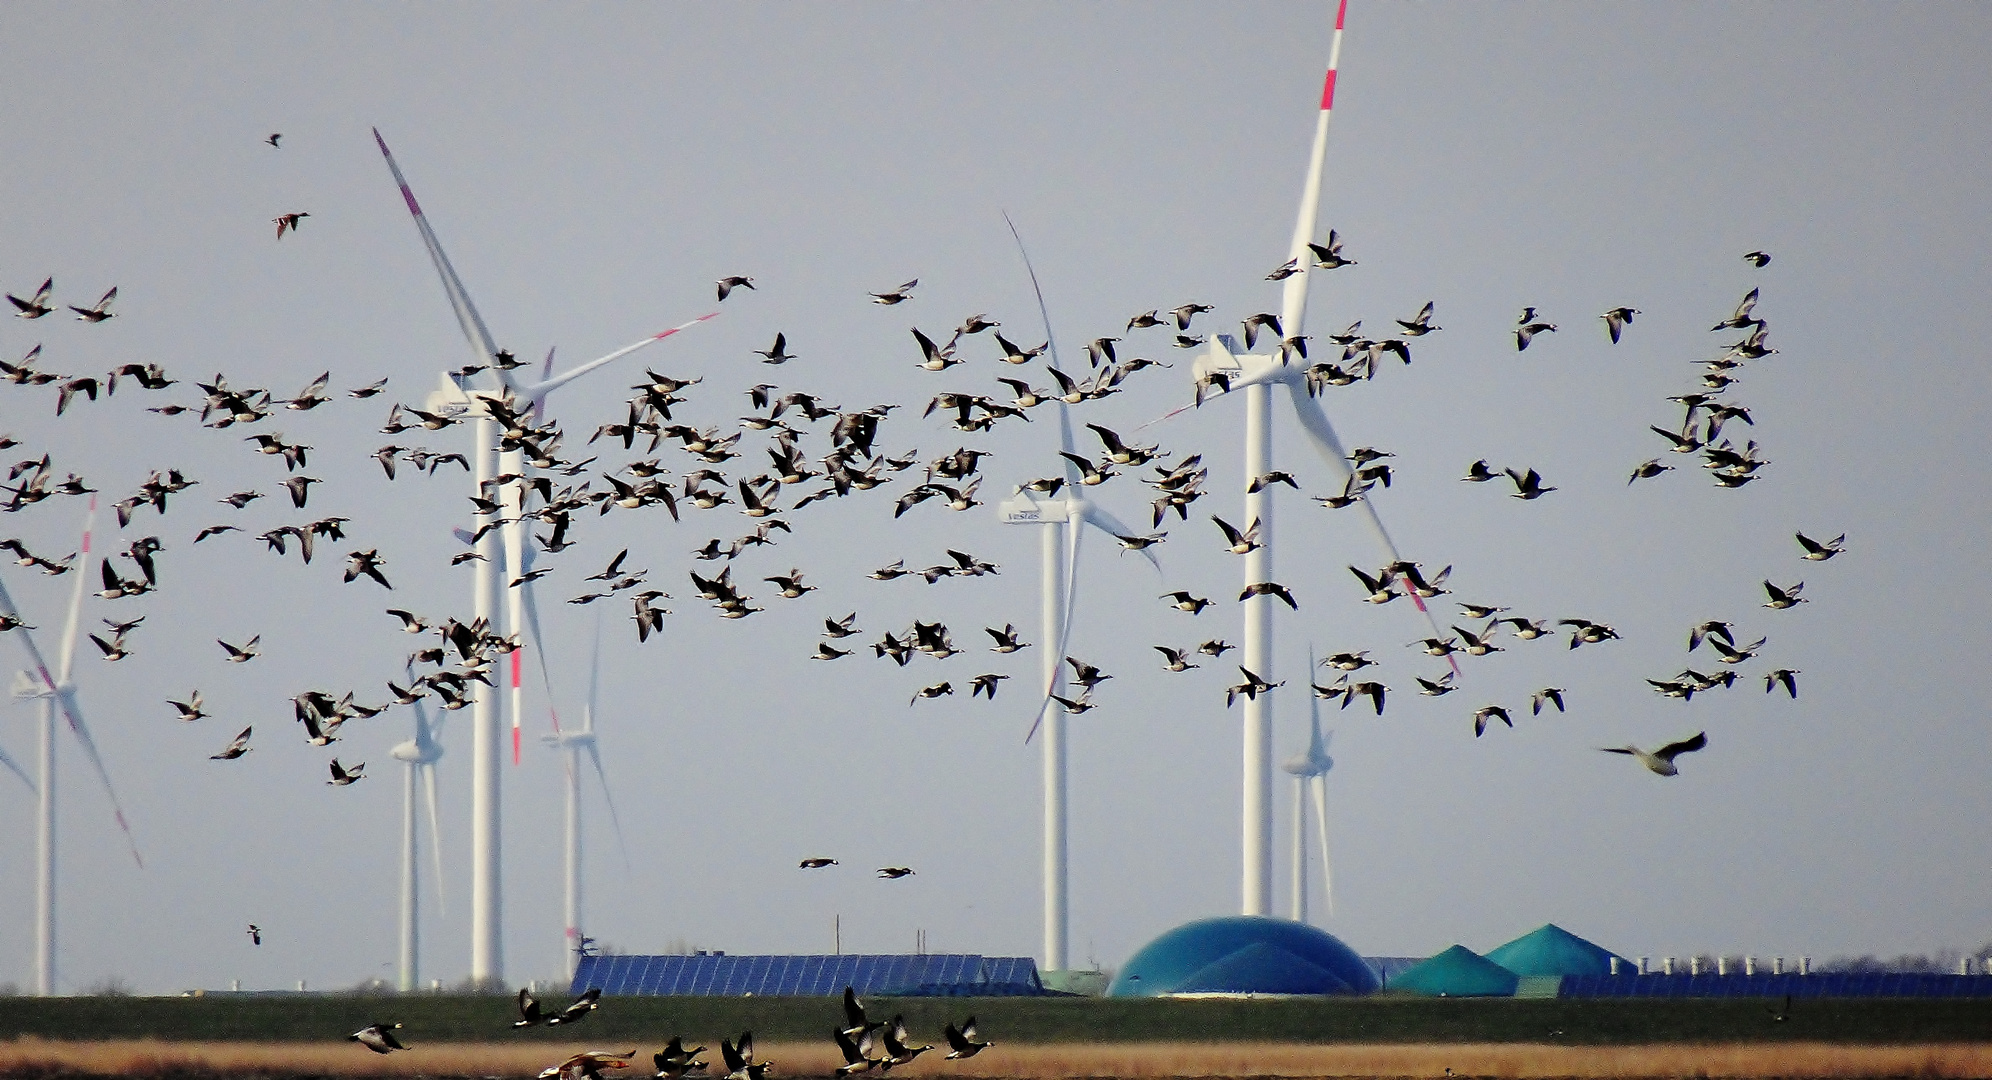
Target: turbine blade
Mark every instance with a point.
(530, 604)
(595, 754)
(1321, 435)
(594, 677)
(1097, 516)
(82, 573)
(15, 768)
(65, 700)
(467, 317)
(1074, 533)
(1051, 345)
(1293, 300)
(1321, 829)
(539, 390)
(435, 832)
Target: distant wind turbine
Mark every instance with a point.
(493, 384)
(57, 692)
(1310, 773)
(421, 754)
(1067, 512)
(1225, 369)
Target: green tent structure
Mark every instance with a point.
(1457, 972)
(1551, 950)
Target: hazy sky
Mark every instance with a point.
(592, 169)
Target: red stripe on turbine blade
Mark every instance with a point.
(1341, 13)
(515, 744)
(1327, 91)
(515, 668)
(413, 208)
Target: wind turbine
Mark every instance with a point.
(1227, 369)
(574, 743)
(1310, 772)
(454, 400)
(57, 692)
(1067, 512)
(421, 753)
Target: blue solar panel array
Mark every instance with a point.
(1827, 985)
(946, 974)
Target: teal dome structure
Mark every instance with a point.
(1244, 954)
(1551, 950)
(1457, 972)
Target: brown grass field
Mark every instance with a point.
(29, 1057)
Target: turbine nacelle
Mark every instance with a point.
(417, 752)
(1026, 509)
(1239, 369)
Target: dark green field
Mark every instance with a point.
(1022, 1020)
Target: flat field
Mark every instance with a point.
(36, 1059)
(233, 1037)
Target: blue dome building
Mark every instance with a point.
(1244, 954)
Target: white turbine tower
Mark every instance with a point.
(1225, 369)
(1310, 773)
(420, 753)
(495, 384)
(1066, 512)
(575, 743)
(57, 693)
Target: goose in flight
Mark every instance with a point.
(1237, 542)
(675, 1061)
(894, 873)
(579, 1009)
(1551, 695)
(1616, 320)
(1328, 256)
(588, 1065)
(855, 1024)
(1174, 659)
(1486, 713)
(897, 1049)
(243, 653)
(98, 313)
(1782, 598)
(962, 1041)
(35, 306)
(896, 296)
(1661, 761)
(1817, 551)
(1250, 689)
(378, 1038)
(342, 776)
(726, 285)
(1527, 486)
(1479, 472)
(289, 222)
(1420, 324)
(189, 709)
(1183, 601)
(1787, 677)
(857, 1053)
(816, 862)
(234, 749)
(529, 1010)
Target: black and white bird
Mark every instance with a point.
(1486, 713)
(1783, 597)
(378, 1038)
(896, 296)
(238, 654)
(1548, 695)
(1661, 761)
(99, 312)
(235, 749)
(962, 1041)
(343, 775)
(1786, 677)
(529, 1010)
(579, 1008)
(35, 306)
(893, 873)
(816, 862)
(1616, 320)
(898, 1047)
(1818, 551)
(726, 285)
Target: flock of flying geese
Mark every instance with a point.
(865, 1044)
(555, 500)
